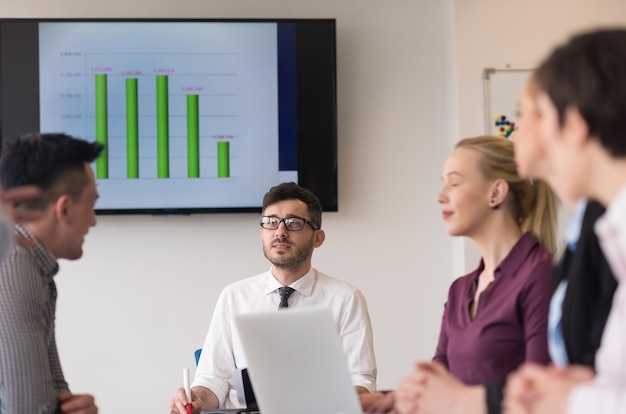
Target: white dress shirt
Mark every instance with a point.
(606, 394)
(222, 351)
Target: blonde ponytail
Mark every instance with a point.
(540, 215)
(532, 203)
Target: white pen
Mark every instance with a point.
(187, 389)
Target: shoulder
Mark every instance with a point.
(536, 270)
(337, 293)
(327, 282)
(347, 303)
(528, 258)
(253, 282)
(22, 281)
(538, 259)
(21, 262)
(461, 283)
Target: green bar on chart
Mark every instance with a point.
(163, 156)
(132, 129)
(223, 159)
(102, 131)
(193, 137)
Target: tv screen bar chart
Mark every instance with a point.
(155, 101)
(157, 110)
(175, 113)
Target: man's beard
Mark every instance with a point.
(281, 261)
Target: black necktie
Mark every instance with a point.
(285, 292)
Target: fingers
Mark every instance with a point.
(408, 393)
(19, 194)
(425, 369)
(533, 371)
(534, 389)
(369, 401)
(11, 203)
(424, 366)
(383, 404)
(372, 402)
(407, 397)
(580, 373)
(25, 241)
(521, 390)
(78, 404)
(439, 368)
(25, 215)
(64, 396)
(175, 408)
(179, 402)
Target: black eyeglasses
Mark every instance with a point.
(291, 223)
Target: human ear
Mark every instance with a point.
(498, 193)
(61, 207)
(318, 238)
(575, 127)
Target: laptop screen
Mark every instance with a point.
(294, 356)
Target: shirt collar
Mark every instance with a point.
(304, 285)
(611, 230)
(516, 257)
(574, 225)
(44, 257)
(615, 211)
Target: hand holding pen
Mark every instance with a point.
(187, 387)
(182, 402)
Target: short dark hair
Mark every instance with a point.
(588, 73)
(53, 162)
(292, 191)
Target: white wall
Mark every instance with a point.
(497, 33)
(131, 312)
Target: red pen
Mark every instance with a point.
(189, 407)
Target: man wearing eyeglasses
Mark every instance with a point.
(291, 228)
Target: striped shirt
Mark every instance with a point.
(30, 371)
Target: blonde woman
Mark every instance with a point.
(496, 316)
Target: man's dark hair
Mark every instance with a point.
(589, 74)
(292, 191)
(53, 162)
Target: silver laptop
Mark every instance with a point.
(296, 363)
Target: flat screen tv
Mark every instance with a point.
(196, 115)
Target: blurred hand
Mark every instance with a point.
(77, 404)
(12, 198)
(520, 391)
(433, 390)
(378, 402)
(408, 393)
(534, 389)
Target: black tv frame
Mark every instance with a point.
(316, 99)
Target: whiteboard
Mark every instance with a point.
(502, 89)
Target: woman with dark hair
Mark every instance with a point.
(581, 101)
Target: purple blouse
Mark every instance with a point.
(510, 326)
